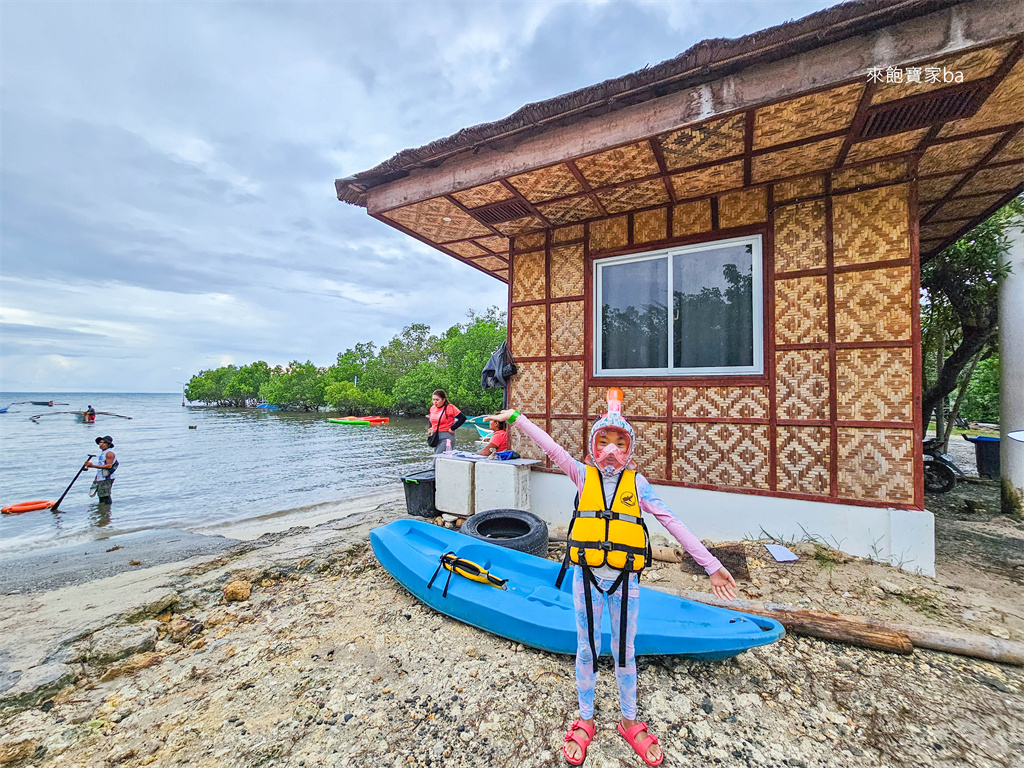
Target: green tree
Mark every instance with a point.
(961, 289)
(981, 399)
(300, 384)
(244, 385)
(208, 386)
(413, 390)
(465, 352)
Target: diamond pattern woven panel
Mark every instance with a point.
(974, 65)
(494, 192)
(748, 206)
(501, 274)
(714, 140)
(725, 455)
(887, 145)
(809, 186)
(427, 218)
(491, 263)
(800, 236)
(519, 226)
(495, 244)
(801, 310)
(568, 433)
(622, 164)
(609, 233)
(649, 226)
(876, 464)
(871, 226)
(567, 270)
(967, 207)
(936, 189)
(873, 305)
(546, 183)
(528, 242)
(802, 159)
(642, 195)
(801, 384)
(650, 451)
(806, 116)
(1001, 107)
(523, 445)
(566, 328)
(691, 218)
(886, 170)
(467, 249)
(875, 384)
(565, 234)
(570, 210)
(955, 155)
(528, 389)
(529, 331)
(637, 401)
(1013, 150)
(698, 403)
(528, 276)
(567, 386)
(717, 178)
(803, 459)
(993, 180)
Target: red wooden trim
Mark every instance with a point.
(589, 288)
(753, 380)
(659, 156)
(702, 237)
(714, 214)
(581, 180)
(547, 334)
(832, 385)
(554, 358)
(858, 121)
(804, 423)
(800, 142)
(879, 425)
(529, 302)
(973, 134)
(846, 190)
(866, 266)
(466, 211)
(808, 345)
(768, 340)
(517, 195)
(964, 230)
(630, 230)
(874, 344)
(565, 299)
(917, 364)
(718, 420)
(748, 146)
(816, 272)
(669, 440)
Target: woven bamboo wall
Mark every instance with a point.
(833, 416)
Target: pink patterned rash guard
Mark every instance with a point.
(649, 501)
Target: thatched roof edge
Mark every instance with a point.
(706, 61)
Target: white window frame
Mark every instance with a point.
(757, 310)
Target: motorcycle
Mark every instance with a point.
(940, 471)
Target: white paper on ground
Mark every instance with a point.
(780, 553)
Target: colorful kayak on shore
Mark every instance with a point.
(361, 421)
(531, 611)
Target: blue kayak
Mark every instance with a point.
(529, 610)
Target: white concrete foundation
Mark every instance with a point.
(904, 538)
(500, 485)
(453, 486)
(1011, 351)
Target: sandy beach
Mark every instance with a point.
(295, 648)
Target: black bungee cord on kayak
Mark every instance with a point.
(467, 568)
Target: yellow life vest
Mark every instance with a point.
(611, 535)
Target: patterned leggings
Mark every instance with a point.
(586, 677)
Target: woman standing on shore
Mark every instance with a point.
(444, 418)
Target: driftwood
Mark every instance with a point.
(871, 633)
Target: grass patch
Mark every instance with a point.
(921, 602)
(826, 557)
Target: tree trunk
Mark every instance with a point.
(974, 340)
(961, 391)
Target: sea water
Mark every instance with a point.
(235, 465)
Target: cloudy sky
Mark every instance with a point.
(168, 167)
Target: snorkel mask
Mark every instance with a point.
(612, 439)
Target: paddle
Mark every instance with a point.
(80, 471)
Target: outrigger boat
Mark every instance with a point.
(361, 421)
(82, 416)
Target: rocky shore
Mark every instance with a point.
(298, 649)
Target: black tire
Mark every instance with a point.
(510, 528)
(938, 478)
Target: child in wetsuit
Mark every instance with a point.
(605, 562)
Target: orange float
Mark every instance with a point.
(26, 506)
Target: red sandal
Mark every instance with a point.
(638, 745)
(582, 741)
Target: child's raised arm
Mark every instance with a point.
(575, 470)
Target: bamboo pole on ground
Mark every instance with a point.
(871, 633)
